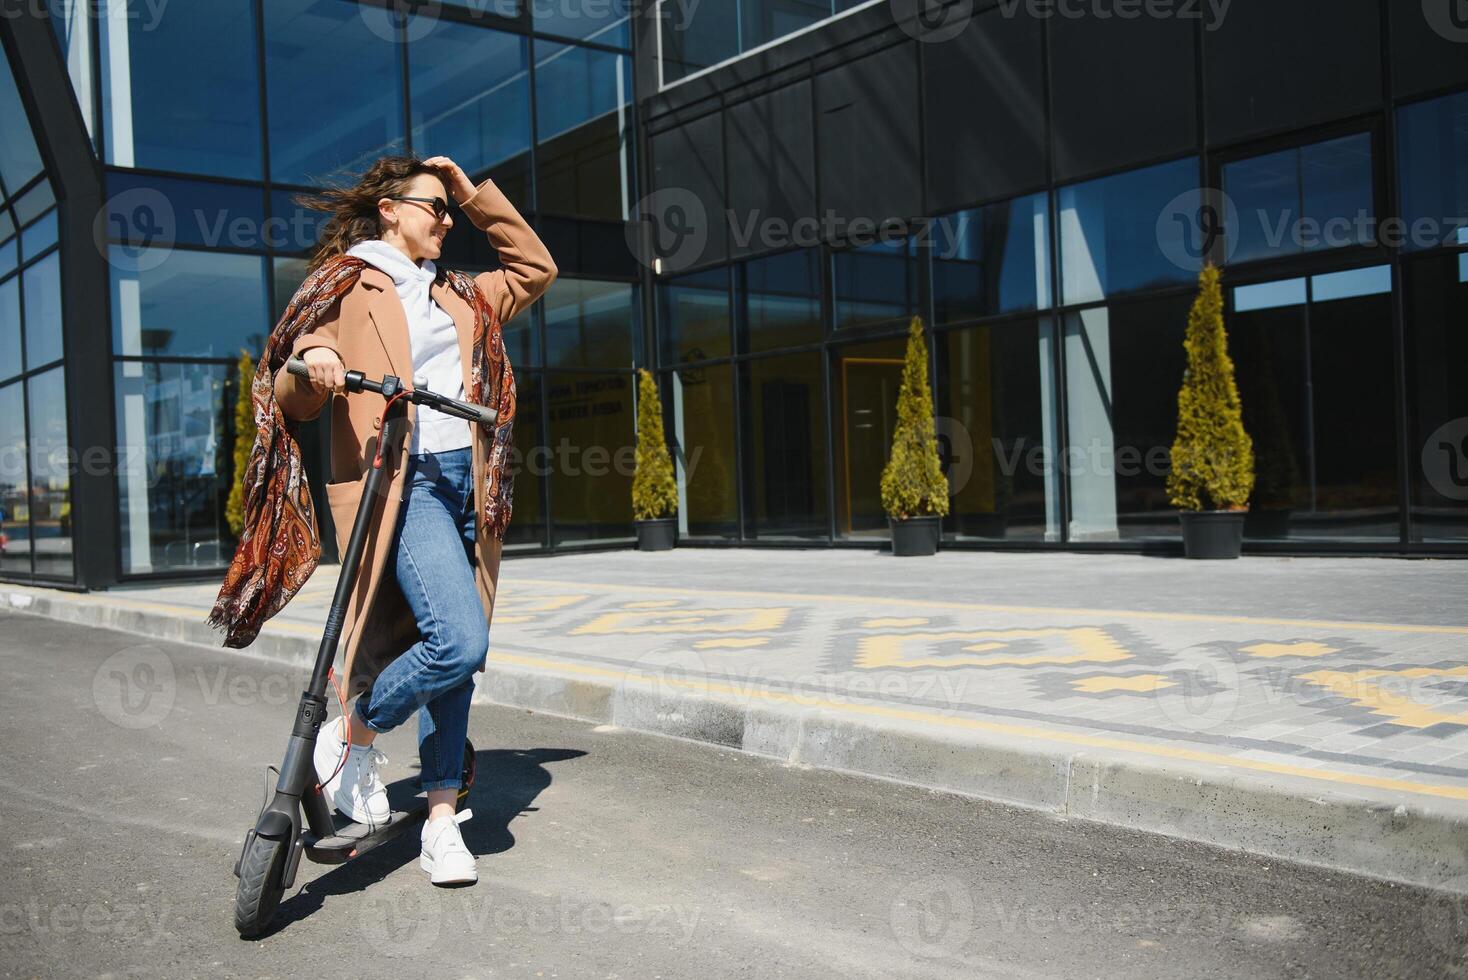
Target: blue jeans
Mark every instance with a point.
(433, 556)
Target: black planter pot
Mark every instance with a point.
(914, 535)
(658, 534)
(1213, 533)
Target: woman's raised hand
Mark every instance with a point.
(459, 184)
(326, 368)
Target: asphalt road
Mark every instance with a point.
(130, 769)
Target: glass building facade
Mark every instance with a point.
(753, 199)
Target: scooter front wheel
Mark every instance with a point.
(261, 872)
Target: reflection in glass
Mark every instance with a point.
(10, 363)
(15, 532)
(582, 99)
(41, 298)
(1111, 240)
(866, 378)
(1123, 367)
(784, 433)
(173, 96)
(876, 285)
(605, 23)
(593, 446)
(588, 324)
(694, 313)
(471, 101)
(289, 274)
(1437, 400)
(144, 210)
(175, 440)
(997, 431)
(19, 158)
(50, 475)
(194, 304)
(529, 465)
(1315, 380)
(39, 235)
(1432, 146)
(991, 260)
(1301, 199)
(781, 301)
(326, 48)
(701, 427)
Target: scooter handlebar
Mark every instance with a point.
(481, 414)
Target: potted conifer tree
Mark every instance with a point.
(654, 490)
(914, 489)
(1212, 471)
(244, 442)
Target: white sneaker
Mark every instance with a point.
(357, 790)
(444, 856)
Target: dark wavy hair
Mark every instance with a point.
(353, 209)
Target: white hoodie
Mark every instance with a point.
(435, 344)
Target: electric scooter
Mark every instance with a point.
(274, 846)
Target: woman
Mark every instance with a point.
(417, 627)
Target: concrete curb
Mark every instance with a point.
(1361, 830)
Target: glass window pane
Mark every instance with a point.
(1111, 241)
(174, 95)
(1432, 146)
(150, 211)
(607, 22)
(41, 298)
(782, 403)
(588, 323)
(194, 304)
(865, 379)
(50, 475)
(695, 36)
(593, 446)
(326, 48)
(529, 463)
(40, 236)
(781, 299)
(292, 227)
(15, 533)
(1268, 295)
(9, 255)
(175, 446)
(471, 101)
(1437, 399)
(1353, 282)
(1124, 364)
(582, 119)
(19, 158)
(876, 285)
(701, 428)
(762, 21)
(289, 274)
(990, 260)
(694, 310)
(998, 431)
(1301, 199)
(34, 202)
(10, 362)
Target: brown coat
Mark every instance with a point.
(368, 329)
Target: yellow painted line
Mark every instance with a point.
(1140, 683)
(868, 600)
(1002, 728)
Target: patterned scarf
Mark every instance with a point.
(280, 545)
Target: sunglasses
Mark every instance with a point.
(440, 206)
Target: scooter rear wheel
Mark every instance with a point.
(258, 896)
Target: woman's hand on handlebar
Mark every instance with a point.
(327, 370)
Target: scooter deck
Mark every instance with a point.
(408, 805)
